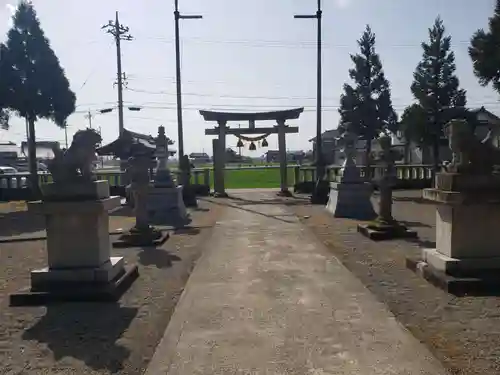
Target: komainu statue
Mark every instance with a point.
(469, 154)
(76, 163)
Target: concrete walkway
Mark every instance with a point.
(267, 298)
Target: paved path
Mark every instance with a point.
(267, 298)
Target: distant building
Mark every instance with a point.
(9, 153)
(273, 156)
(199, 158)
(43, 149)
(329, 146)
(411, 152)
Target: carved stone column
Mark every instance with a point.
(142, 233)
(163, 177)
(385, 226)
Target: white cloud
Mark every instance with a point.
(343, 3)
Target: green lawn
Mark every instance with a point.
(258, 178)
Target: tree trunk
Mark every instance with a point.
(33, 166)
(368, 160)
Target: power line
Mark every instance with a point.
(93, 70)
(252, 108)
(273, 43)
(287, 43)
(216, 95)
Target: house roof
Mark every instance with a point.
(198, 155)
(43, 148)
(329, 134)
(130, 143)
(9, 147)
(489, 114)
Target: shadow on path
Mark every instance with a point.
(414, 224)
(278, 201)
(20, 222)
(87, 332)
(426, 244)
(160, 258)
(239, 207)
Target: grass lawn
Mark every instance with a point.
(258, 178)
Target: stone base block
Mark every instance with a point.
(463, 267)
(42, 279)
(83, 191)
(351, 201)
(139, 239)
(220, 195)
(468, 231)
(77, 232)
(189, 196)
(58, 286)
(284, 193)
(485, 283)
(320, 193)
(385, 232)
(166, 206)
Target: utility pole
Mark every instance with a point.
(177, 17)
(119, 32)
(66, 135)
(320, 165)
(89, 117)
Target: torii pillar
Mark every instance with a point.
(219, 145)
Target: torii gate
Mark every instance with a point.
(222, 118)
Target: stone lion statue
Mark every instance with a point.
(76, 163)
(469, 154)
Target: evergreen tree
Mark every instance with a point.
(367, 105)
(33, 79)
(413, 125)
(4, 114)
(436, 88)
(485, 52)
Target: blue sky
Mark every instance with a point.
(244, 55)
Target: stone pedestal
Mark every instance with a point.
(350, 196)
(351, 200)
(165, 206)
(385, 227)
(75, 192)
(466, 259)
(79, 265)
(381, 230)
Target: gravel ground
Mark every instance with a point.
(86, 338)
(463, 333)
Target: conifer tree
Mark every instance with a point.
(31, 76)
(436, 89)
(366, 105)
(485, 52)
